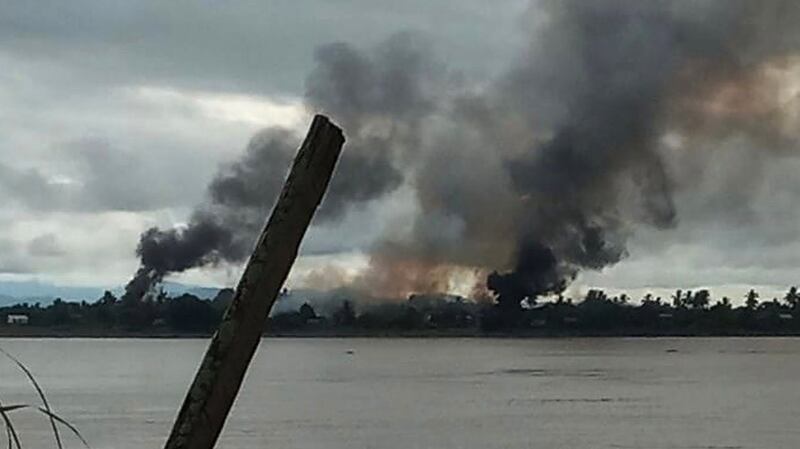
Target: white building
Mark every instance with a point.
(17, 319)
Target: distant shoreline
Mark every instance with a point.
(40, 332)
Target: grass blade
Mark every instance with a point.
(10, 408)
(4, 409)
(41, 396)
(10, 430)
(68, 425)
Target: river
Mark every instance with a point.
(585, 393)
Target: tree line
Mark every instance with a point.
(694, 312)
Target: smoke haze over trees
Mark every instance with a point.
(528, 178)
(685, 312)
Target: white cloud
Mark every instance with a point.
(250, 110)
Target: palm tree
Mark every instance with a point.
(792, 298)
(751, 300)
(677, 299)
(700, 300)
(688, 298)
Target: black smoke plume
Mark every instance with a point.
(540, 173)
(379, 99)
(602, 76)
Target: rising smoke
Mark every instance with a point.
(540, 173)
(380, 101)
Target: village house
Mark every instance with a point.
(17, 319)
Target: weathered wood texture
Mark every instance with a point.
(224, 365)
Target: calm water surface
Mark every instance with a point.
(434, 393)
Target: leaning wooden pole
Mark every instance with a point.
(222, 370)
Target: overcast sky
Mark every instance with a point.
(114, 116)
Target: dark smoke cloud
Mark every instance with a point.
(540, 173)
(381, 99)
(537, 269)
(602, 74)
(378, 98)
(551, 168)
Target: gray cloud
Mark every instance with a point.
(239, 46)
(12, 258)
(45, 245)
(93, 176)
(28, 186)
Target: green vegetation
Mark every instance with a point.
(182, 314)
(685, 312)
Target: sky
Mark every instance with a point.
(115, 115)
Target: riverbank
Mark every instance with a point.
(65, 332)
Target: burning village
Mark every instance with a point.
(390, 225)
(525, 181)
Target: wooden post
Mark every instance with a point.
(222, 370)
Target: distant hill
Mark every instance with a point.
(6, 300)
(45, 292)
(12, 292)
